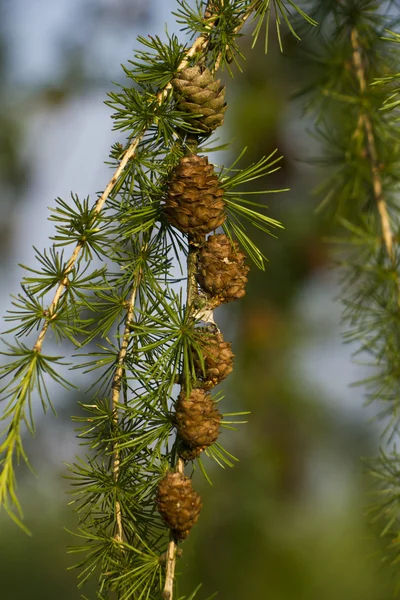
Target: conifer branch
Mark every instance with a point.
(192, 292)
(363, 147)
(198, 46)
(134, 501)
(51, 313)
(371, 148)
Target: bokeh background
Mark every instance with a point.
(289, 521)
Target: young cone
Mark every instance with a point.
(218, 359)
(222, 272)
(178, 503)
(197, 419)
(199, 94)
(194, 202)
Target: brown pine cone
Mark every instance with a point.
(194, 202)
(197, 419)
(198, 93)
(222, 272)
(178, 503)
(218, 359)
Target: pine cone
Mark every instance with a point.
(178, 503)
(218, 359)
(197, 419)
(195, 203)
(198, 93)
(221, 269)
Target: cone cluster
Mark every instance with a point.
(200, 95)
(222, 275)
(178, 503)
(194, 204)
(197, 418)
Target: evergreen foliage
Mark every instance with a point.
(362, 151)
(131, 284)
(148, 334)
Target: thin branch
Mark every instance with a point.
(78, 248)
(116, 391)
(192, 291)
(371, 149)
(172, 552)
(245, 17)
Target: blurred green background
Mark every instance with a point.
(288, 522)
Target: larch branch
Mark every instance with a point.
(199, 45)
(359, 69)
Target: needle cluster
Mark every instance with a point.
(361, 151)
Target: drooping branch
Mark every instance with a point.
(157, 337)
(199, 45)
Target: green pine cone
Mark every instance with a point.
(198, 93)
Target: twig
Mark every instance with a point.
(245, 17)
(172, 551)
(116, 390)
(74, 257)
(180, 465)
(371, 149)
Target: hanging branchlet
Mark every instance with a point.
(161, 207)
(363, 151)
